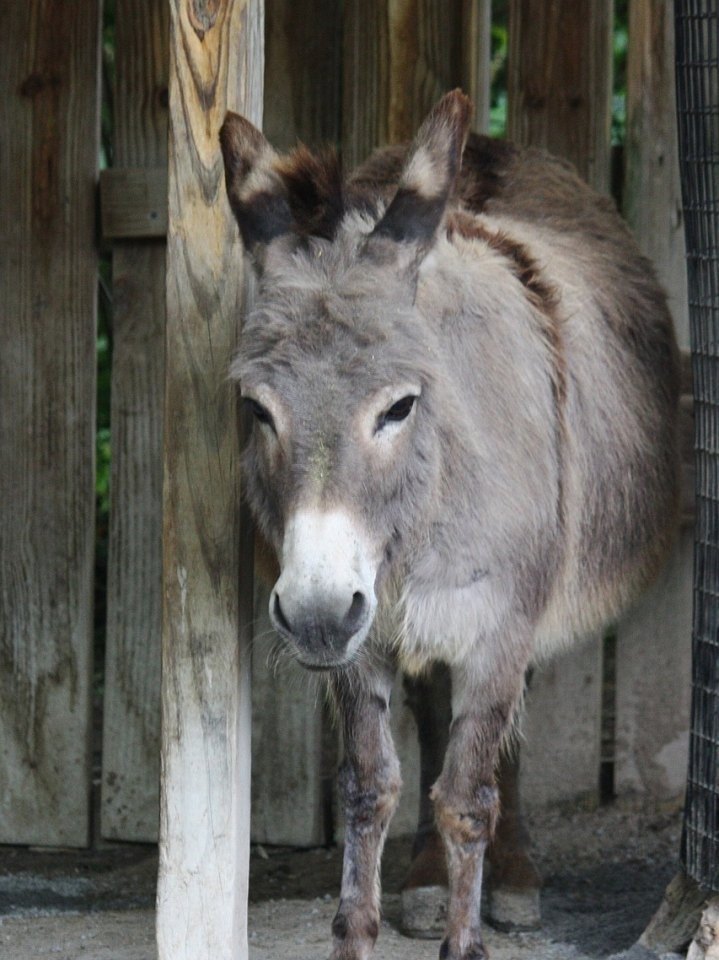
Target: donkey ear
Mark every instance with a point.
(256, 192)
(428, 177)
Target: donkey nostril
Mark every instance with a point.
(279, 615)
(356, 613)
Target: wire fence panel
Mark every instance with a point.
(697, 52)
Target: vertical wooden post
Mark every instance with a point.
(291, 727)
(400, 56)
(216, 62)
(559, 81)
(654, 640)
(49, 115)
(131, 729)
(652, 193)
(559, 97)
(303, 72)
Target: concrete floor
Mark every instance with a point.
(605, 873)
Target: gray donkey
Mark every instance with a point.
(464, 380)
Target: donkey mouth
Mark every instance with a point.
(320, 641)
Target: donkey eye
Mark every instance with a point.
(398, 412)
(260, 413)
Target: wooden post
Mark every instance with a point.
(559, 79)
(131, 730)
(216, 63)
(654, 639)
(303, 72)
(290, 725)
(400, 56)
(49, 115)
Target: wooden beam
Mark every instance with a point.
(652, 193)
(133, 203)
(303, 72)
(400, 56)
(131, 725)
(291, 725)
(559, 81)
(49, 115)
(216, 63)
(654, 639)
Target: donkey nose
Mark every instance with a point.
(320, 630)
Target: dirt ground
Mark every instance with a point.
(605, 872)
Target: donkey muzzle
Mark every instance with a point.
(324, 600)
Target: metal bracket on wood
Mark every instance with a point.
(133, 203)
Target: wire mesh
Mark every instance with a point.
(697, 62)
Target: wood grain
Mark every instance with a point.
(400, 56)
(559, 81)
(654, 639)
(131, 731)
(216, 63)
(49, 114)
(290, 719)
(559, 87)
(303, 72)
(133, 203)
(653, 203)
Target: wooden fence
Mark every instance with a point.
(180, 573)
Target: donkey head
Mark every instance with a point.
(338, 367)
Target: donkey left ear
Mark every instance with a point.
(256, 192)
(428, 177)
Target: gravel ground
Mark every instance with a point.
(605, 872)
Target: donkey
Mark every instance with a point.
(463, 380)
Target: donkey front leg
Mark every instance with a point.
(370, 784)
(466, 799)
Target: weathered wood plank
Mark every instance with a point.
(133, 203)
(287, 729)
(559, 81)
(216, 63)
(559, 86)
(49, 115)
(654, 640)
(400, 56)
(290, 719)
(131, 729)
(303, 72)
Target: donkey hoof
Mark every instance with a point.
(424, 912)
(514, 909)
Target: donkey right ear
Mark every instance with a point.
(256, 192)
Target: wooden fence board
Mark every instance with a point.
(400, 56)
(562, 102)
(290, 719)
(303, 72)
(559, 80)
(131, 731)
(216, 63)
(49, 115)
(133, 203)
(654, 640)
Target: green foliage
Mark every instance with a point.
(498, 71)
(619, 92)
